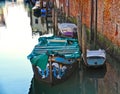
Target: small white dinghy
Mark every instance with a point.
(95, 58)
(91, 58)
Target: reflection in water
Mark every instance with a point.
(91, 79)
(71, 86)
(15, 44)
(2, 20)
(112, 79)
(114, 63)
(81, 82)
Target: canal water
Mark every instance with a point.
(16, 75)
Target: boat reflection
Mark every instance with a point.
(92, 79)
(94, 72)
(81, 82)
(71, 86)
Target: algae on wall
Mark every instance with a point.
(101, 41)
(112, 49)
(104, 43)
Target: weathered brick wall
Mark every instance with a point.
(108, 16)
(111, 20)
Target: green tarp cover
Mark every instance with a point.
(40, 61)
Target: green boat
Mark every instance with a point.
(54, 59)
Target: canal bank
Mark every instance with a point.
(112, 49)
(102, 16)
(101, 40)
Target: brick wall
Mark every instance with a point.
(108, 16)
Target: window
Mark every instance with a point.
(36, 21)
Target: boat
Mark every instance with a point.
(92, 57)
(67, 29)
(54, 58)
(95, 58)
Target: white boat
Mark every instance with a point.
(92, 57)
(67, 29)
(95, 58)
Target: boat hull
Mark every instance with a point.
(52, 80)
(94, 62)
(95, 58)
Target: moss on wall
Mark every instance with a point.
(102, 42)
(110, 48)
(72, 19)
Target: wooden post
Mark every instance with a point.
(84, 44)
(92, 22)
(53, 17)
(56, 23)
(95, 31)
(79, 32)
(67, 9)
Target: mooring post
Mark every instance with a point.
(56, 22)
(84, 43)
(79, 32)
